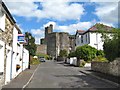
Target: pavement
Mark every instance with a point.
(22, 79)
(59, 75)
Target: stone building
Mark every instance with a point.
(57, 41)
(41, 49)
(72, 42)
(42, 41)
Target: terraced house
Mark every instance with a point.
(12, 53)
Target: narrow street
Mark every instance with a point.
(57, 75)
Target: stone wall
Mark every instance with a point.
(64, 41)
(51, 44)
(41, 49)
(112, 68)
(7, 35)
(72, 42)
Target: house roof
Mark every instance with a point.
(7, 11)
(80, 31)
(94, 28)
(99, 26)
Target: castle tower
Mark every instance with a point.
(48, 30)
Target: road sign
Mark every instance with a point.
(21, 38)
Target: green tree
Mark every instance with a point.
(112, 45)
(31, 46)
(86, 52)
(63, 53)
(72, 54)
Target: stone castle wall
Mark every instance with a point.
(41, 49)
(57, 41)
(64, 41)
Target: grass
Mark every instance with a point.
(34, 61)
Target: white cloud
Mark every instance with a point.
(107, 12)
(104, 0)
(57, 9)
(38, 34)
(71, 29)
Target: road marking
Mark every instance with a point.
(30, 78)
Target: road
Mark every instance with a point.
(57, 75)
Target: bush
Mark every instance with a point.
(34, 61)
(63, 53)
(100, 59)
(100, 53)
(112, 46)
(86, 52)
(82, 63)
(47, 57)
(72, 54)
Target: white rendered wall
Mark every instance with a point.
(2, 21)
(93, 39)
(25, 59)
(14, 56)
(8, 64)
(85, 39)
(15, 36)
(2, 47)
(96, 41)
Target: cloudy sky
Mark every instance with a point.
(66, 15)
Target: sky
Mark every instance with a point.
(65, 15)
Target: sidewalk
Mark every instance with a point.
(21, 79)
(108, 78)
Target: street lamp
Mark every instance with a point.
(29, 37)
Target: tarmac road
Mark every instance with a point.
(57, 75)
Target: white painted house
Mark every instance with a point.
(12, 53)
(91, 37)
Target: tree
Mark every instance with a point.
(63, 53)
(31, 46)
(86, 52)
(112, 45)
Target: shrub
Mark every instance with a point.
(100, 59)
(82, 63)
(34, 61)
(100, 53)
(72, 54)
(86, 52)
(63, 53)
(47, 57)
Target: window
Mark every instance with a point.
(82, 39)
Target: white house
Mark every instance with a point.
(91, 37)
(12, 53)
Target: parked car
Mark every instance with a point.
(42, 59)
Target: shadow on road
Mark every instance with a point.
(85, 81)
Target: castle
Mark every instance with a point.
(56, 41)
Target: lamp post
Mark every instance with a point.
(29, 37)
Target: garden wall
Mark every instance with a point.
(112, 68)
